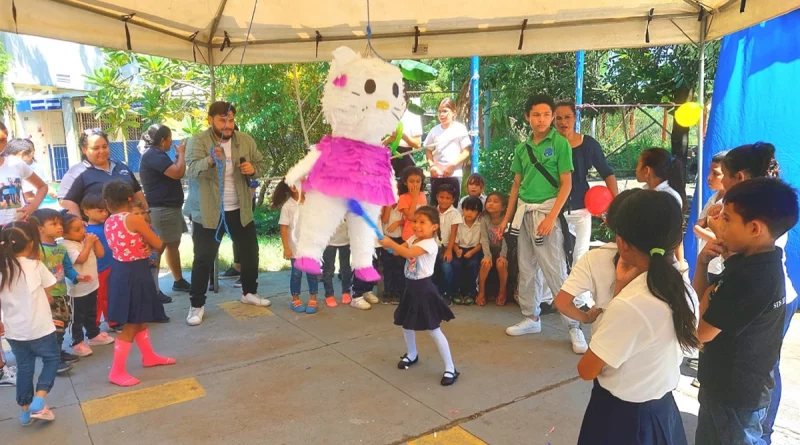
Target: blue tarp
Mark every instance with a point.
(756, 98)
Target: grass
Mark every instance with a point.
(270, 254)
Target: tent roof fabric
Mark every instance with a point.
(287, 30)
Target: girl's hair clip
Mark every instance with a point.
(130, 198)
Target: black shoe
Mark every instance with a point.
(117, 328)
(238, 283)
(165, 299)
(210, 286)
(230, 273)
(181, 286)
(63, 367)
(162, 320)
(546, 308)
(69, 358)
(406, 363)
(449, 377)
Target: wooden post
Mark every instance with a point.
(664, 126)
(602, 124)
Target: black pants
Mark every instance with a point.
(437, 182)
(85, 308)
(394, 280)
(362, 287)
(206, 248)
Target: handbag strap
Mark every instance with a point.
(540, 167)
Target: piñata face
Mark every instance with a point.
(363, 98)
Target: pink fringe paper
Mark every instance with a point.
(352, 169)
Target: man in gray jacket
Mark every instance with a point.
(214, 202)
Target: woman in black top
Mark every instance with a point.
(586, 153)
(96, 169)
(161, 180)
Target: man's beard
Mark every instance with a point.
(221, 135)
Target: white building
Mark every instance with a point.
(47, 78)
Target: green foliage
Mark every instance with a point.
(163, 88)
(266, 220)
(267, 108)
(495, 164)
(6, 101)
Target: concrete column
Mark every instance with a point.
(70, 130)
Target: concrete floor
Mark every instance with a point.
(249, 376)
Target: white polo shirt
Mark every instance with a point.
(595, 273)
(664, 187)
(446, 220)
(636, 339)
(26, 312)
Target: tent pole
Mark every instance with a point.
(579, 68)
(213, 77)
(701, 88)
(474, 113)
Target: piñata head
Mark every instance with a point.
(363, 97)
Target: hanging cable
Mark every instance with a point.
(369, 35)
(219, 163)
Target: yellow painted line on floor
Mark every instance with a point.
(140, 401)
(241, 311)
(453, 436)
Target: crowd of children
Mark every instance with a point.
(647, 314)
(54, 275)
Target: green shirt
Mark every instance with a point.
(555, 153)
(56, 259)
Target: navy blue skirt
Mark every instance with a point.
(132, 295)
(611, 420)
(421, 308)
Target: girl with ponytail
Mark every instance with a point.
(636, 351)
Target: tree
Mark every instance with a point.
(663, 74)
(161, 88)
(6, 101)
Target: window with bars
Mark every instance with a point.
(88, 121)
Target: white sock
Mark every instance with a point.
(444, 349)
(411, 343)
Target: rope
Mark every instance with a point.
(219, 163)
(369, 35)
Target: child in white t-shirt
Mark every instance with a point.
(476, 186)
(422, 308)
(289, 200)
(702, 230)
(469, 253)
(637, 348)
(83, 250)
(27, 321)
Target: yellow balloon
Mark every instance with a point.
(688, 114)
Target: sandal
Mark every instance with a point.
(469, 301)
(311, 307)
(406, 363)
(500, 300)
(449, 378)
(298, 306)
(458, 300)
(481, 300)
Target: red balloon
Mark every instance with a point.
(597, 200)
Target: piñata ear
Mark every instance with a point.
(343, 55)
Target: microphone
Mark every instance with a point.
(247, 178)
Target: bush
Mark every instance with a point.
(266, 220)
(495, 164)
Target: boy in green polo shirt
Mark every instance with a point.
(542, 169)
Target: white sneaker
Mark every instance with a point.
(371, 298)
(255, 300)
(195, 316)
(360, 303)
(102, 339)
(526, 326)
(579, 345)
(9, 377)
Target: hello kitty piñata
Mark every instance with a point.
(363, 101)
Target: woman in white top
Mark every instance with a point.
(636, 351)
(661, 172)
(448, 145)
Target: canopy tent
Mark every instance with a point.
(213, 31)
